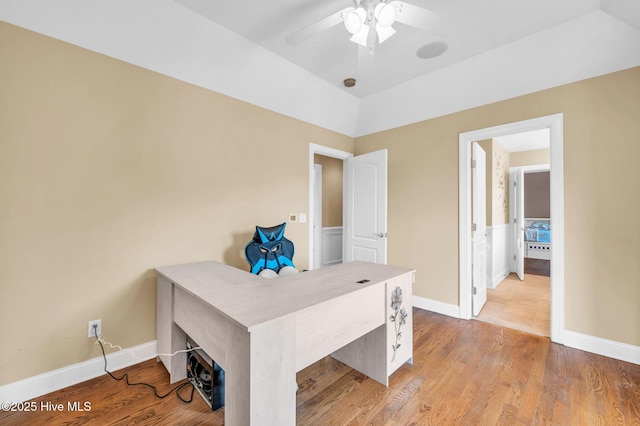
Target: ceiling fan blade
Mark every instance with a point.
(318, 27)
(423, 19)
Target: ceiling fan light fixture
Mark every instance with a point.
(385, 14)
(361, 37)
(384, 32)
(354, 20)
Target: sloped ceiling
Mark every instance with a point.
(497, 49)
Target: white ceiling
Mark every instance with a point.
(535, 139)
(498, 49)
(476, 27)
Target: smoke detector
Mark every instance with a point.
(349, 82)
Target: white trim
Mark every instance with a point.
(315, 224)
(555, 124)
(604, 347)
(42, 384)
(436, 306)
(328, 152)
(497, 260)
(504, 225)
(331, 252)
(545, 167)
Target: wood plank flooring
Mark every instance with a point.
(521, 305)
(464, 373)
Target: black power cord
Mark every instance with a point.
(125, 376)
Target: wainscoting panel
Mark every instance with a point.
(497, 254)
(331, 245)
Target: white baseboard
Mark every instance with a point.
(499, 277)
(497, 254)
(331, 245)
(604, 347)
(436, 306)
(42, 384)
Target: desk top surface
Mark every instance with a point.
(251, 300)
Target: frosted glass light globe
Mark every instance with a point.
(354, 20)
(385, 14)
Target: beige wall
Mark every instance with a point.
(497, 175)
(602, 230)
(498, 163)
(530, 158)
(108, 170)
(331, 190)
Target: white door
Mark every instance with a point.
(317, 215)
(516, 194)
(479, 228)
(365, 208)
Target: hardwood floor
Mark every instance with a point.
(521, 305)
(464, 372)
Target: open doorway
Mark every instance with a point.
(315, 198)
(364, 218)
(327, 216)
(518, 232)
(554, 124)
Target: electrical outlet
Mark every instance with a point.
(98, 331)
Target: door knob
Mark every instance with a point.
(381, 235)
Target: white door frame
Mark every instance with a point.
(479, 231)
(327, 152)
(555, 125)
(315, 222)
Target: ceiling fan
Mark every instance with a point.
(370, 22)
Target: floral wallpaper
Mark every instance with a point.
(501, 179)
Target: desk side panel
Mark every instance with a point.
(326, 327)
(260, 386)
(209, 329)
(382, 351)
(170, 338)
(399, 321)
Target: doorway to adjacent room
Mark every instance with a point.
(554, 124)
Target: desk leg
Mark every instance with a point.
(170, 338)
(260, 382)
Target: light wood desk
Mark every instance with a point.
(261, 332)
